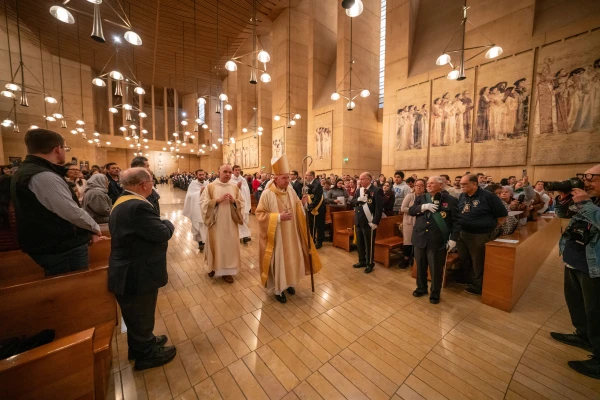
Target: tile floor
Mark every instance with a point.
(357, 337)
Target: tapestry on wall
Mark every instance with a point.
(278, 144)
(411, 127)
(238, 153)
(252, 152)
(322, 141)
(501, 123)
(566, 126)
(451, 122)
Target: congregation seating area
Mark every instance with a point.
(81, 311)
(509, 267)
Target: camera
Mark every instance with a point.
(580, 236)
(521, 199)
(564, 186)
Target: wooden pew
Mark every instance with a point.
(69, 304)
(343, 229)
(386, 239)
(61, 370)
(18, 267)
(510, 267)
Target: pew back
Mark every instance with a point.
(61, 370)
(66, 303)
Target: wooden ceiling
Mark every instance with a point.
(178, 49)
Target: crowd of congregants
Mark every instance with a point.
(52, 210)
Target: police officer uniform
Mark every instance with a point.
(316, 207)
(364, 241)
(431, 233)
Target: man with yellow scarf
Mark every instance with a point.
(286, 248)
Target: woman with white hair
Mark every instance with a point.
(95, 199)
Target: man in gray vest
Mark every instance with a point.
(52, 228)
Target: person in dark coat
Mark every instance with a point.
(435, 232)
(316, 207)
(368, 208)
(137, 267)
(141, 161)
(296, 183)
(114, 186)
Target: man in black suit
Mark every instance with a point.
(138, 266)
(296, 183)
(316, 208)
(435, 232)
(368, 207)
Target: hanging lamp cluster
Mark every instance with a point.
(291, 114)
(458, 70)
(256, 56)
(63, 14)
(350, 94)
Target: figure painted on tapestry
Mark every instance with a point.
(412, 127)
(503, 111)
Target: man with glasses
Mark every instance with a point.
(52, 228)
(137, 267)
(580, 248)
(296, 183)
(481, 212)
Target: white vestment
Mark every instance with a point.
(191, 209)
(245, 189)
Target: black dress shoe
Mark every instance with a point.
(473, 291)
(318, 245)
(159, 356)
(291, 290)
(201, 246)
(589, 367)
(369, 269)
(359, 265)
(572, 339)
(246, 239)
(434, 300)
(281, 298)
(160, 341)
(419, 293)
(463, 282)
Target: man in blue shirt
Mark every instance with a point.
(580, 250)
(481, 213)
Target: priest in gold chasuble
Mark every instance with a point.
(221, 205)
(283, 254)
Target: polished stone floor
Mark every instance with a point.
(357, 337)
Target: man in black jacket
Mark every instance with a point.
(316, 207)
(52, 228)
(368, 207)
(141, 161)
(138, 267)
(114, 186)
(435, 232)
(296, 183)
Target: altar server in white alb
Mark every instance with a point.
(191, 207)
(242, 184)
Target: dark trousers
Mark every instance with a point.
(364, 243)
(61, 263)
(471, 250)
(435, 260)
(138, 314)
(317, 226)
(582, 294)
(407, 250)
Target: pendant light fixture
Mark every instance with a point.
(352, 93)
(355, 10)
(257, 56)
(458, 70)
(291, 115)
(63, 14)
